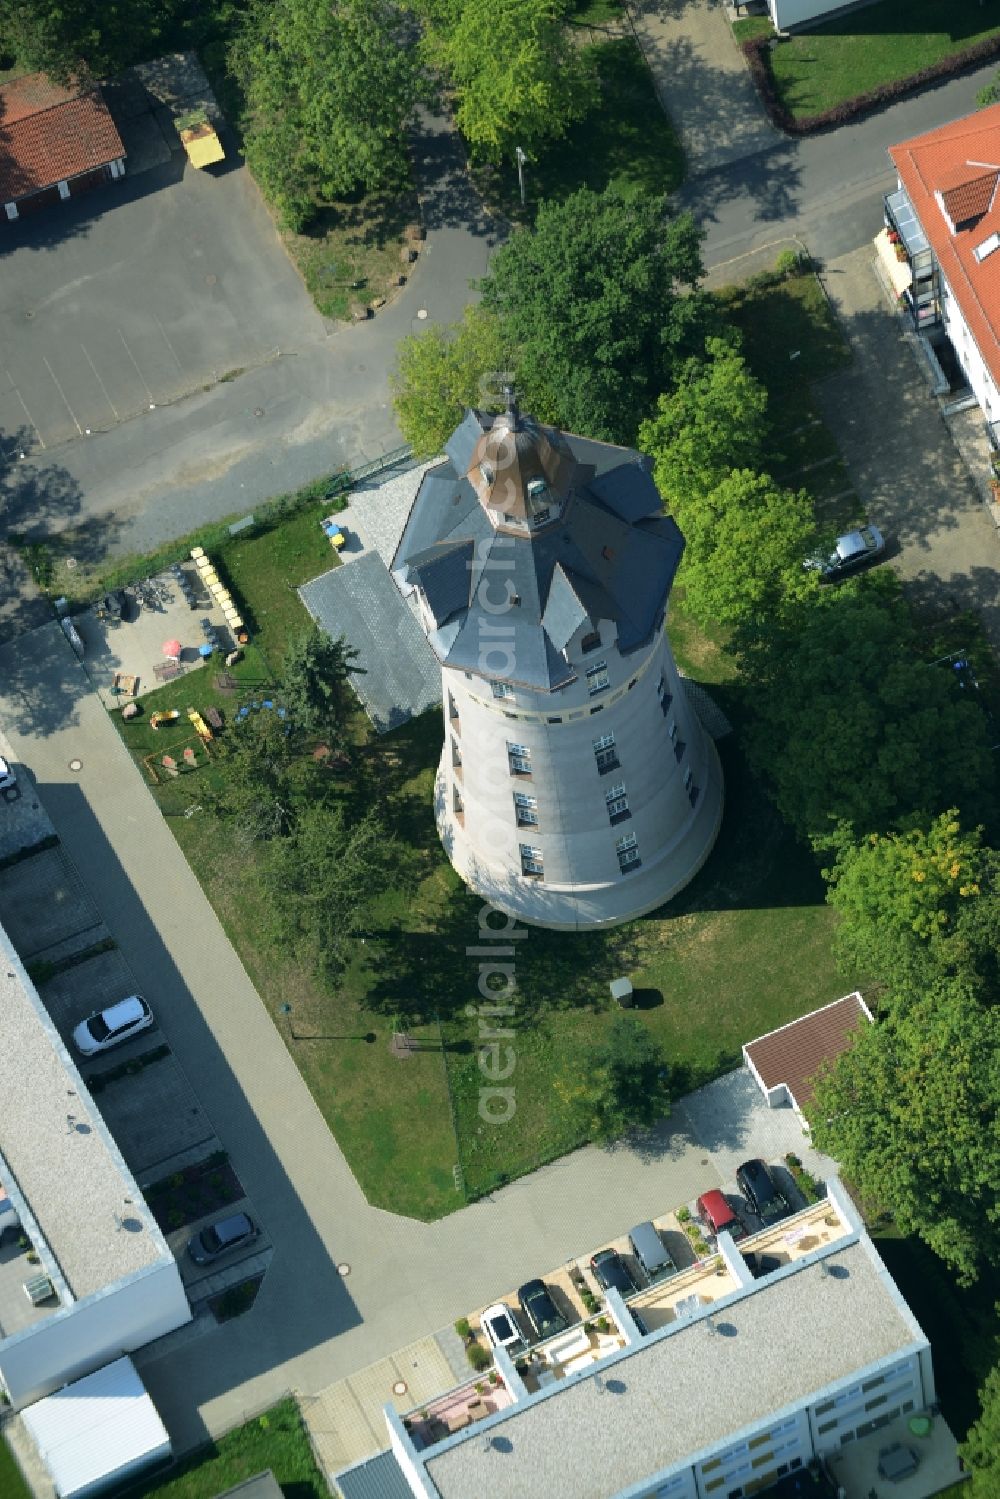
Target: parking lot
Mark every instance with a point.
(45, 908)
(137, 293)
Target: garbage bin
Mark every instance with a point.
(621, 991)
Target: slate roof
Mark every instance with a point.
(961, 160)
(794, 1053)
(360, 601)
(49, 134)
(611, 555)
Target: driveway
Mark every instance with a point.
(311, 1324)
(902, 458)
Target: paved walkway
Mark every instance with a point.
(311, 1325)
(901, 456)
(702, 82)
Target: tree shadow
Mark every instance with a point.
(448, 198)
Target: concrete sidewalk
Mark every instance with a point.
(702, 82)
(902, 458)
(312, 1322)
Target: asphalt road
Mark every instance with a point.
(325, 402)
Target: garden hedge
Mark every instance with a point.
(757, 53)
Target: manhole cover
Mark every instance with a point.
(76, 765)
(343, 1268)
(29, 315)
(258, 411)
(211, 280)
(399, 1388)
(421, 313)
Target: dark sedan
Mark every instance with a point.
(611, 1270)
(756, 1181)
(543, 1317)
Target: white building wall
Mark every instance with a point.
(968, 355)
(785, 13)
(872, 1398)
(82, 1337)
(575, 834)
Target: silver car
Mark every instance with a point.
(110, 1027)
(850, 551)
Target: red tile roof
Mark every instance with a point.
(961, 160)
(49, 134)
(793, 1054)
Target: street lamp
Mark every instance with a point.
(521, 159)
(286, 1010)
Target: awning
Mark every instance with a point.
(898, 271)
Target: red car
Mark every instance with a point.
(716, 1214)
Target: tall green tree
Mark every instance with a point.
(900, 896)
(745, 542)
(67, 38)
(442, 371)
(329, 91)
(324, 879)
(518, 79)
(912, 1114)
(851, 726)
(315, 684)
(600, 301)
(713, 421)
(254, 792)
(981, 1449)
(620, 1085)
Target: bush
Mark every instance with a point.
(683, 1215)
(462, 1328)
(757, 52)
(478, 1357)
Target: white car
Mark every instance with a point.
(7, 776)
(500, 1329)
(110, 1027)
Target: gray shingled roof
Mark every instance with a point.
(613, 546)
(379, 1478)
(401, 678)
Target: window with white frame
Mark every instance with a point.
(605, 753)
(688, 778)
(501, 689)
(531, 860)
(617, 803)
(519, 758)
(672, 730)
(526, 809)
(627, 849)
(597, 678)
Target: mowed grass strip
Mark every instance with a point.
(818, 69)
(276, 1440)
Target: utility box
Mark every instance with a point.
(621, 992)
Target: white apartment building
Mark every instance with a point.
(103, 1282)
(714, 1385)
(940, 242)
(577, 786)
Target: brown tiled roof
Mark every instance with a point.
(794, 1053)
(971, 194)
(937, 162)
(49, 134)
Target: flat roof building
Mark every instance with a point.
(784, 1062)
(721, 1384)
(104, 1281)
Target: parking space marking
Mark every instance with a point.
(101, 383)
(169, 345)
(24, 408)
(63, 394)
(138, 371)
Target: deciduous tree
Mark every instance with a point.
(600, 302)
(442, 371)
(620, 1085)
(329, 89)
(254, 790)
(68, 37)
(981, 1449)
(911, 1114)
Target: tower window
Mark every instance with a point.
(487, 472)
(679, 748)
(501, 689)
(526, 809)
(672, 730)
(540, 517)
(519, 757)
(627, 849)
(537, 489)
(591, 642)
(597, 678)
(605, 753)
(456, 754)
(617, 803)
(688, 778)
(531, 860)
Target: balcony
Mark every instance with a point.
(457, 1409)
(684, 1295)
(16, 1309)
(572, 1352)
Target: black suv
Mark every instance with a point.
(756, 1181)
(611, 1270)
(536, 1303)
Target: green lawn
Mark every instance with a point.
(276, 1440)
(596, 12)
(876, 44)
(625, 140)
(12, 1485)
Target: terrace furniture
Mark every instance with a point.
(545, 1377)
(897, 1462)
(124, 685)
(167, 671)
(197, 553)
(39, 1289)
(563, 1350)
(576, 1364)
(213, 717)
